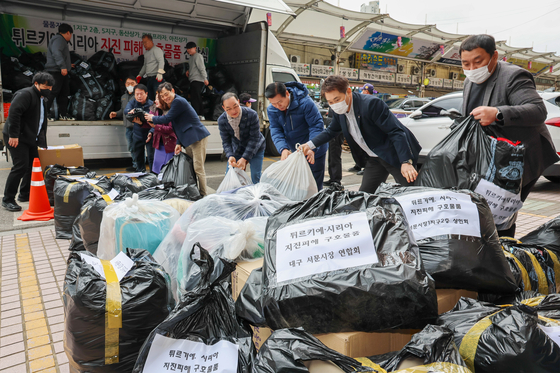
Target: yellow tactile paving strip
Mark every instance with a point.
(32, 319)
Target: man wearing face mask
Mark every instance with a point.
(129, 84)
(503, 98)
(390, 146)
(25, 130)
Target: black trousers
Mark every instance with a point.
(335, 158)
(196, 96)
(525, 190)
(22, 159)
(60, 92)
(140, 147)
(376, 172)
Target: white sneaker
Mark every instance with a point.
(201, 117)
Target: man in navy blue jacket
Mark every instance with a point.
(390, 146)
(294, 119)
(241, 135)
(191, 133)
(140, 130)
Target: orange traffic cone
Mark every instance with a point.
(39, 206)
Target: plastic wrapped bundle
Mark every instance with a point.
(294, 350)
(204, 322)
(235, 178)
(234, 240)
(493, 339)
(338, 262)
(166, 191)
(134, 182)
(135, 224)
(69, 196)
(53, 171)
(468, 158)
(110, 312)
(547, 235)
(433, 349)
(244, 203)
(457, 237)
(292, 177)
(180, 171)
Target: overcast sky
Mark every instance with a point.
(527, 23)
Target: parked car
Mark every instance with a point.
(431, 123)
(402, 107)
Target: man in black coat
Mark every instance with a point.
(390, 146)
(24, 131)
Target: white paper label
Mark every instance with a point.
(553, 333)
(121, 264)
(84, 65)
(14, 59)
(55, 147)
(324, 245)
(89, 181)
(160, 176)
(27, 73)
(431, 214)
(86, 76)
(95, 263)
(502, 203)
(113, 194)
(179, 355)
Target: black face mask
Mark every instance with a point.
(45, 92)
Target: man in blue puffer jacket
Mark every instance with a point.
(295, 119)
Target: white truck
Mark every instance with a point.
(250, 53)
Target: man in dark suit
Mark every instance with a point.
(191, 133)
(25, 130)
(503, 96)
(390, 146)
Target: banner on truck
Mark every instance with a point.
(30, 34)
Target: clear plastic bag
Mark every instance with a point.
(235, 178)
(235, 240)
(292, 177)
(134, 224)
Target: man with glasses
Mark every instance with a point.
(191, 133)
(242, 139)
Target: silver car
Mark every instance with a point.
(431, 123)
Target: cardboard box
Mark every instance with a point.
(353, 344)
(64, 155)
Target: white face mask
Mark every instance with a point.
(340, 107)
(130, 88)
(478, 76)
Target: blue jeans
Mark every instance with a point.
(130, 143)
(139, 155)
(153, 85)
(256, 166)
(318, 170)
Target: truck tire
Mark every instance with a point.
(270, 147)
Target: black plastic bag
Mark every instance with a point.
(547, 235)
(88, 222)
(457, 261)
(84, 108)
(180, 70)
(167, 191)
(36, 60)
(205, 317)
(69, 196)
(122, 182)
(104, 62)
(53, 171)
(127, 69)
(86, 84)
(433, 347)
(493, 339)
(180, 171)
(286, 350)
(146, 301)
(352, 297)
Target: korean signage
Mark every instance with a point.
(19, 33)
(458, 84)
(536, 67)
(436, 213)
(373, 41)
(451, 57)
(350, 74)
(324, 245)
(502, 203)
(302, 69)
(436, 82)
(322, 70)
(404, 79)
(377, 76)
(448, 83)
(181, 355)
(376, 62)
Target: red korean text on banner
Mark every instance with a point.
(269, 19)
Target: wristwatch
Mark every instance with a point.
(409, 162)
(499, 116)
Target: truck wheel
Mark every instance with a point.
(270, 147)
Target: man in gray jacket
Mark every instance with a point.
(59, 66)
(197, 77)
(154, 63)
(129, 83)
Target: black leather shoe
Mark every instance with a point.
(130, 169)
(11, 206)
(23, 199)
(354, 169)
